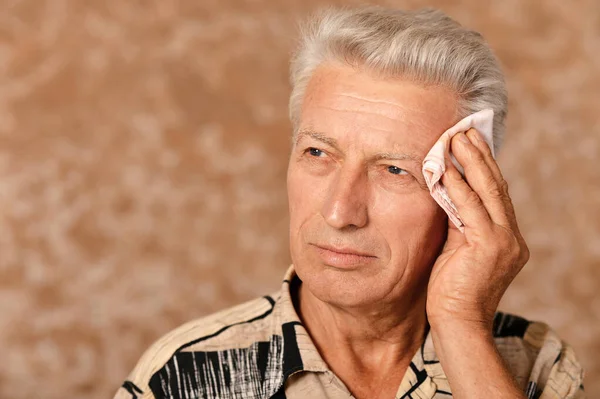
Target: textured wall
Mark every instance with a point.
(143, 150)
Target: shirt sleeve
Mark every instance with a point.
(556, 371)
(565, 379)
(137, 384)
(129, 390)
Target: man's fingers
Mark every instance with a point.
(467, 202)
(481, 179)
(478, 141)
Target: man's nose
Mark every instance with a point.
(346, 202)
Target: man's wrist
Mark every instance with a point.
(456, 333)
(464, 349)
(448, 327)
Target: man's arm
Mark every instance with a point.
(475, 367)
(472, 363)
(472, 273)
(468, 280)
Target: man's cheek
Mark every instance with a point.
(302, 204)
(403, 209)
(307, 196)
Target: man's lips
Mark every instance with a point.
(344, 250)
(342, 257)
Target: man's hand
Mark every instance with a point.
(475, 268)
(473, 272)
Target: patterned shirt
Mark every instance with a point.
(260, 349)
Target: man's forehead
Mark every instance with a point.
(341, 101)
(391, 97)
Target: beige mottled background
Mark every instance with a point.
(143, 150)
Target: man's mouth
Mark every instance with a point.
(343, 257)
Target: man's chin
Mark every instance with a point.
(340, 287)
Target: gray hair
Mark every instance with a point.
(426, 46)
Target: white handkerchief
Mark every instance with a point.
(434, 166)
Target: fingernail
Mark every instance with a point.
(463, 137)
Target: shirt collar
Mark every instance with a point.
(299, 351)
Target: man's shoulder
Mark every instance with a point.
(235, 327)
(536, 355)
(533, 334)
(210, 330)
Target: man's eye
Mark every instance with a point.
(315, 152)
(396, 170)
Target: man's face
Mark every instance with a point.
(363, 227)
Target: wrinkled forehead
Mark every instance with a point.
(346, 103)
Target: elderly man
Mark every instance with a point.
(386, 298)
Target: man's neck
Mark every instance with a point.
(368, 350)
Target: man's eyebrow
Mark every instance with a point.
(317, 136)
(391, 156)
(382, 156)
